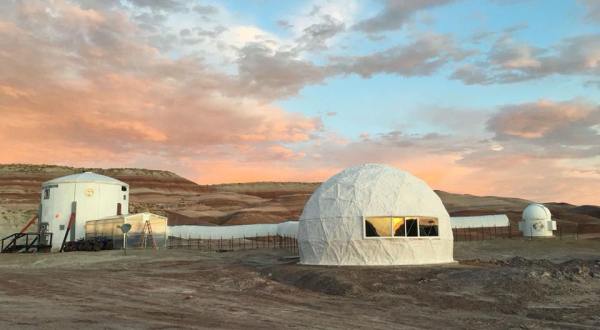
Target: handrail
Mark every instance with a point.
(29, 223)
(13, 240)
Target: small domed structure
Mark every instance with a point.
(89, 195)
(537, 221)
(374, 215)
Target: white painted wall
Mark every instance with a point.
(289, 228)
(486, 221)
(96, 196)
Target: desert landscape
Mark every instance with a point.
(187, 203)
(496, 284)
(500, 284)
(314, 164)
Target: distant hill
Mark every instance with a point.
(186, 202)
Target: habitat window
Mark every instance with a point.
(428, 227)
(47, 193)
(395, 226)
(378, 227)
(412, 227)
(123, 188)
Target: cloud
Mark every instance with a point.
(275, 74)
(538, 120)
(550, 129)
(123, 84)
(284, 24)
(78, 85)
(592, 83)
(593, 10)
(509, 61)
(511, 55)
(395, 14)
(316, 35)
(544, 151)
(165, 5)
(206, 10)
(423, 56)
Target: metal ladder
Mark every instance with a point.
(147, 233)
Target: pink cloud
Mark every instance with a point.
(86, 87)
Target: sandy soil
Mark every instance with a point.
(493, 287)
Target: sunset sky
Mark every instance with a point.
(497, 97)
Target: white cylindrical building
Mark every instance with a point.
(536, 221)
(374, 215)
(89, 195)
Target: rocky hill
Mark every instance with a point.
(186, 202)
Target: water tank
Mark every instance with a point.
(89, 195)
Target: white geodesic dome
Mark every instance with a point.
(332, 226)
(537, 221)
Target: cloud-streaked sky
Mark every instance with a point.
(484, 97)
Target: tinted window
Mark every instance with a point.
(412, 228)
(428, 227)
(378, 227)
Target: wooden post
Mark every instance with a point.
(560, 232)
(530, 233)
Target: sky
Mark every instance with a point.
(496, 97)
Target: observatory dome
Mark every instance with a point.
(537, 221)
(374, 214)
(536, 212)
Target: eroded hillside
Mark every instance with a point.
(186, 202)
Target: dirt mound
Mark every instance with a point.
(505, 286)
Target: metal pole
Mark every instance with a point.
(125, 244)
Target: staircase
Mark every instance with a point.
(26, 242)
